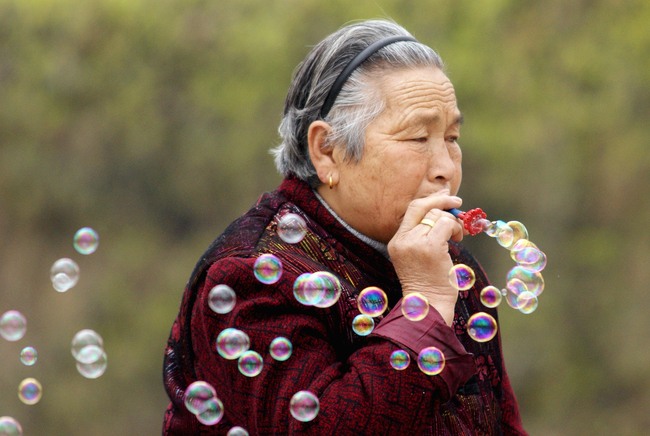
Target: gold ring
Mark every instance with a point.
(428, 222)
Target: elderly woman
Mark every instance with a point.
(371, 162)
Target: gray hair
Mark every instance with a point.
(359, 101)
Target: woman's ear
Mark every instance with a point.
(321, 152)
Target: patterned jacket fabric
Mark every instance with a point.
(359, 391)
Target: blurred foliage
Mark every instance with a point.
(151, 121)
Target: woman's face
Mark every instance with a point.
(411, 151)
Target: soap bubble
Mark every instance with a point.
(267, 269)
(196, 396)
(527, 302)
(490, 296)
(213, 412)
(280, 348)
(461, 277)
(304, 406)
(532, 279)
(372, 301)
(514, 288)
(504, 234)
(30, 391)
(28, 356)
(528, 256)
(10, 427)
(13, 325)
(332, 286)
(89, 354)
(309, 289)
(250, 363)
(400, 359)
(363, 324)
(483, 224)
(415, 306)
(237, 431)
(292, 228)
(431, 361)
(222, 299)
(519, 231)
(491, 229)
(64, 274)
(481, 327)
(94, 369)
(232, 343)
(83, 338)
(86, 240)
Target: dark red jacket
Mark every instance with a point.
(359, 392)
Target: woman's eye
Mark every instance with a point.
(420, 139)
(452, 139)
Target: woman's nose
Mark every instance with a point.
(442, 166)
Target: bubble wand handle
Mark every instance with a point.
(474, 220)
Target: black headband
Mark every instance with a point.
(354, 63)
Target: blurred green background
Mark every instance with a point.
(151, 120)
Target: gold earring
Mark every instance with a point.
(331, 184)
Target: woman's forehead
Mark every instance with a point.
(420, 95)
(417, 86)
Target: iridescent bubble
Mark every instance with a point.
(232, 343)
(222, 299)
(372, 301)
(280, 348)
(514, 288)
(520, 245)
(528, 256)
(30, 391)
(89, 354)
(332, 287)
(535, 261)
(363, 324)
(213, 412)
(491, 229)
(490, 296)
(292, 228)
(519, 231)
(64, 274)
(83, 338)
(237, 431)
(461, 277)
(481, 327)
(309, 289)
(267, 269)
(95, 369)
(28, 356)
(10, 427)
(400, 359)
(431, 361)
(527, 302)
(250, 363)
(196, 396)
(304, 406)
(532, 279)
(13, 325)
(484, 225)
(86, 240)
(504, 234)
(415, 306)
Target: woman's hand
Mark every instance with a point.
(420, 251)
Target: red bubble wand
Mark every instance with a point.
(474, 220)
